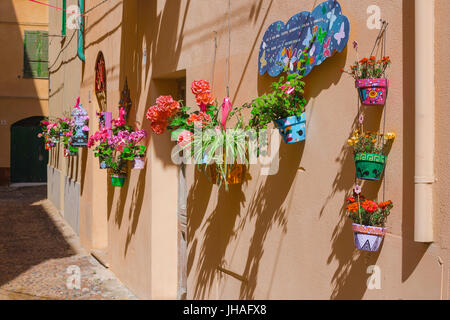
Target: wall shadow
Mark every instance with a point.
(269, 213)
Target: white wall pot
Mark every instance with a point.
(368, 238)
(139, 163)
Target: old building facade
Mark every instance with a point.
(279, 236)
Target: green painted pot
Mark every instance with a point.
(118, 180)
(369, 166)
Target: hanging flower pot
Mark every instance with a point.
(235, 173)
(372, 91)
(139, 163)
(292, 129)
(368, 238)
(102, 164)
(118, 180)
(369, 166)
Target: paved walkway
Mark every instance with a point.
(41, 257)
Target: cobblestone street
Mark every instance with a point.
(40, 254)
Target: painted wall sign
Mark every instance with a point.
(81, 126)
(283, 44)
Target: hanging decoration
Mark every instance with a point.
(322, 33)
(100, 81)
(81, 126)
(370, 149)
(125, 101)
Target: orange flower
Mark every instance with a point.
(369, 206)
(350, 199)
(159, 127)
(373, 58)
(364, 60)
(353, 207)
(205, 98)
(384, 204)
(200, 120)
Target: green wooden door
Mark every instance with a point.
(28, 155)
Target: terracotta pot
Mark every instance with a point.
(372, 91)
(292, 129)
(368, 238)
(235, 173)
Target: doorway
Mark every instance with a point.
(28, 155)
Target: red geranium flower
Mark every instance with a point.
(200, 87)
(204, 98)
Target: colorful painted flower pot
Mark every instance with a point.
(292, 129)
(369, 166)
(368, 238)
(372, 91)
(139, 163)
(103, 164)
(118, 180)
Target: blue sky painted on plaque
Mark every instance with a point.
(283, 44)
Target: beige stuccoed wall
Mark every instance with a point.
(19, 97)
(65, 68)
(284, 236)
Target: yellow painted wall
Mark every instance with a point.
(19, 98)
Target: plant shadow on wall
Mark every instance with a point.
(225, 223)
(219, 230)
(268, 208)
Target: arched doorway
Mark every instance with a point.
(28, 155)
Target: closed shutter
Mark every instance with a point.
(35, 60)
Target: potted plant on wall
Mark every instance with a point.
(369, 218)
(284, 106)
(202, 134)
(369, 78)
(50, 133)
(132, 151)
(66, 131)
(102, 148)
(370, 150)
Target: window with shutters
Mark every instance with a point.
(35, 58)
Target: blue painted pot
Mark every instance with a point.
(292, 129)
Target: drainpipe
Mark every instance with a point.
(424, 118)
(81, 32)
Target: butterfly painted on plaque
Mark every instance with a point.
(340, 35)
(326, 48)
(321, 36)
(291, 58)
(332, 17)
(308, 38)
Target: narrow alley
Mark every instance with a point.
(40, 256)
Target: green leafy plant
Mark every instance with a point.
(285, 100)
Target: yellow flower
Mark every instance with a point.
(350, 142)
(374, 140)
(390, 135)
